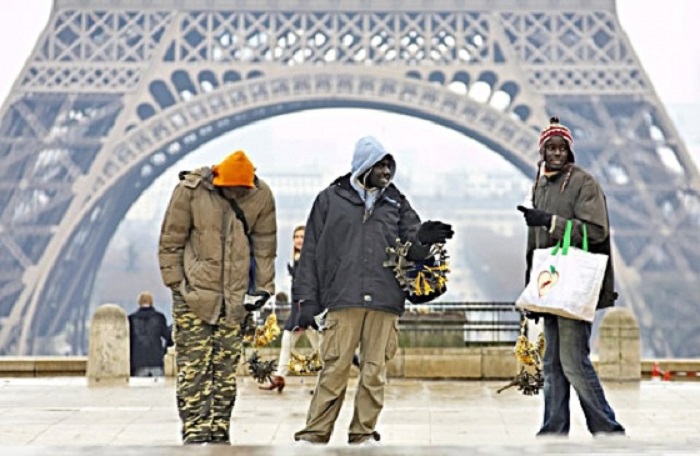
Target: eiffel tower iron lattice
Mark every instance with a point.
(115, 91)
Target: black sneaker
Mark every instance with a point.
(371, 440)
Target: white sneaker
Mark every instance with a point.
(369, 443)
(302, 442)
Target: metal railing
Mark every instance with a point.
(475, 323)
(452, 324)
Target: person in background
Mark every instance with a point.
(149, 338)
(281, 301)
(217, 251)
(292, 329)
(565, 192)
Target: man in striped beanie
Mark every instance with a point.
(565, 192)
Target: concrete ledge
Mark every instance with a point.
(433, 363)
(43, 366)
(440, 363)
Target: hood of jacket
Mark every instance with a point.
(368, 152)
(203, 175)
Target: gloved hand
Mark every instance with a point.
(536, 217)
(434, 232)
(307, 312)
(256, 300)
(418, 252)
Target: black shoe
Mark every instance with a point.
(364, 439)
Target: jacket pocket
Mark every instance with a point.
(192, 273)
(327, 285)
(330, 347)
(392, 344)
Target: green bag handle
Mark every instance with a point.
(567, 239)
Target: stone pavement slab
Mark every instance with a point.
(56, 416)
(569, 448)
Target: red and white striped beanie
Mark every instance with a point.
(556, 129)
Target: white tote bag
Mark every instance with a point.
(565, 280)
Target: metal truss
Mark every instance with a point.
(116, 91)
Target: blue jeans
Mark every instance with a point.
(149, 372)
(567, 363)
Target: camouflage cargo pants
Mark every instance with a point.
(206, 358)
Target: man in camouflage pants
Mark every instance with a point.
(200, 345)
(217, 218)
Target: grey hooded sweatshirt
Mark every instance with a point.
(341, 264)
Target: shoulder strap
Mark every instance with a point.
(241, 216)
(238, 211)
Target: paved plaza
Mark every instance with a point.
(420, 417)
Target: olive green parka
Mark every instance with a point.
(204, 252)
(583, 202)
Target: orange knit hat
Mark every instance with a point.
(235, 171)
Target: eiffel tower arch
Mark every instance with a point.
(115, 91)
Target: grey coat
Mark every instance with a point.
(582, 201)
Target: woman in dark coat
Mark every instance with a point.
(292, 330)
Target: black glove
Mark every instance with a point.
(256, 300)
(434, 232)
(536, 217)
(418, 252)
(248, 325)
(307, 312)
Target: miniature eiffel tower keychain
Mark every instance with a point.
(529, 379)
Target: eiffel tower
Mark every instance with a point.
(115, 91)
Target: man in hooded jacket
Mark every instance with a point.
(216, 218)
(351, 224)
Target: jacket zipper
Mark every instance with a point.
(545, 197)
(224, 231)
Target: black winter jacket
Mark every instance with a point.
(292, 320)
(342, 260)
(147, 332)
